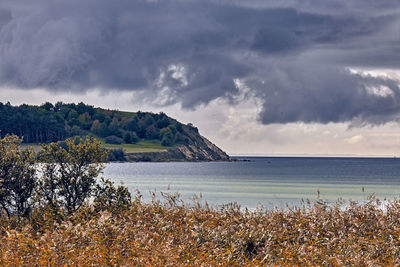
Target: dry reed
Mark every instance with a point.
(172, 234)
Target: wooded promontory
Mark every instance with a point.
(56, 122)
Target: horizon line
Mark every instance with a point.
(312, 155)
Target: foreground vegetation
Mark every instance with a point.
(172, 234)
(60, 179)
(66, 215)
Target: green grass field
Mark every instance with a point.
(143, 146)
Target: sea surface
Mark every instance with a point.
(263, 181)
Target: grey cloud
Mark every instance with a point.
(324, 94)
(292, 54)
(337, 7)
(5, 17)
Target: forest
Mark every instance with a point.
(55, 122)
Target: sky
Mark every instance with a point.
(276, 77)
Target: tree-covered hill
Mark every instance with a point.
(51, 123)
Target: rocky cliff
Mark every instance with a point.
(201, 150)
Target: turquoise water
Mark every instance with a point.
(266, 181)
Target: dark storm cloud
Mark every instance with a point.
(293, 55)
(326, 94)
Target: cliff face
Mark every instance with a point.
(201, 150)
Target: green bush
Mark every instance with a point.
(116, 155)
(111, 198)
(112, 139)
(70, 174)
(67, 180)
(17, 177)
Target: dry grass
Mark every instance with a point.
(171, 234)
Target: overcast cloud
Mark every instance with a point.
(299, 59)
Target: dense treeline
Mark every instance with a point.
(51, 123)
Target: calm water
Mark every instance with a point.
(272, 181)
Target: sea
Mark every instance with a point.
(262, 182)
